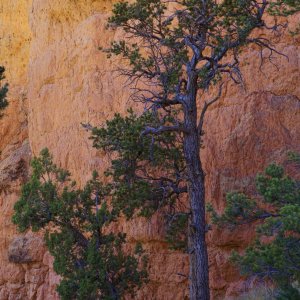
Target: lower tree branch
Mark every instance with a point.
(161, 129)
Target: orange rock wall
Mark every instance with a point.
(58, 78)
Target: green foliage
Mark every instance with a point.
(89, 259)
(276, 188)
(3, 92)
(137, 159)
(294, 156)
(176, 236)
(278, 259)
(288, 293)
(147, 171)
(284, 7)
(239, 209)
(165, 38)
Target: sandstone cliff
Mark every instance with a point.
(58, 78)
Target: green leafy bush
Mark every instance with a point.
(278, 259)
(89, 258)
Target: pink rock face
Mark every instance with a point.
(26, 249)
(58, 78)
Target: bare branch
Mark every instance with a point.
(161, 129)
(206, 106)
(86, 126)
(182, 275)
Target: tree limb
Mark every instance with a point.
(161, 129)
(206, 106)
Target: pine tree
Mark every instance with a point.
(279, 259)
(176, 51)
(89, 258)
(177, 55)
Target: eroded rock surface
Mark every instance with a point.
(26, 249)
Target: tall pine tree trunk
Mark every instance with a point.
(199, 275)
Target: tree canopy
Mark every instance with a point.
(86, 254)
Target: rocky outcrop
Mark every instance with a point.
(26, 249)
(58, 78)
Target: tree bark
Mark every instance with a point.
(199, 276)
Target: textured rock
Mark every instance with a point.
(26, 249)
(59, 78)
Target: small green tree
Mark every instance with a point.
(175, 52)
(3, 92)
(279, 258)
(89, 259)
(146, 171)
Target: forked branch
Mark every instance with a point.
(206, 106)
